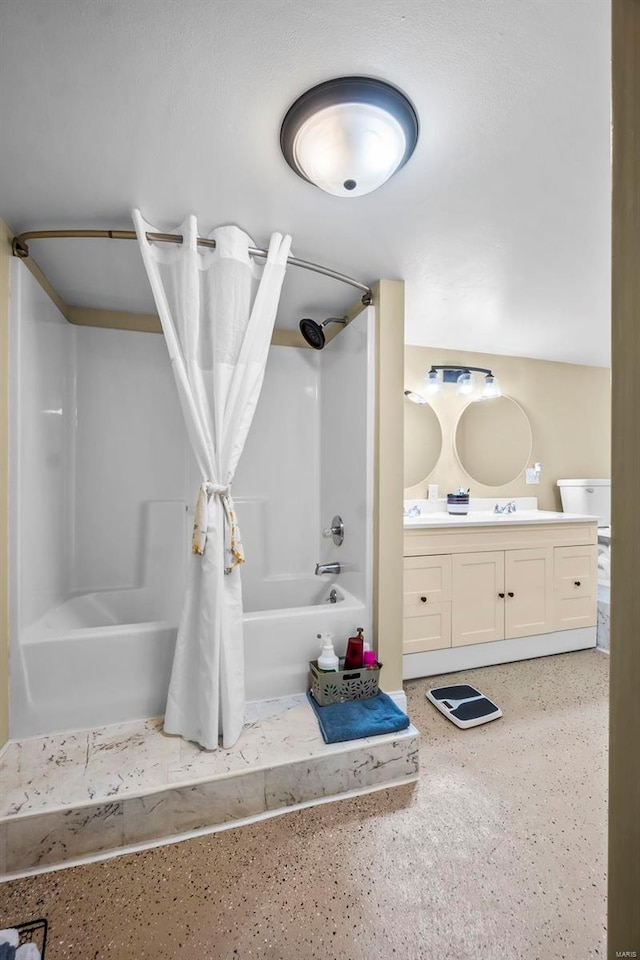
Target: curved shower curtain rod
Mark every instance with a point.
(20, 249)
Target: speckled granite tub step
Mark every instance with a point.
(93, 792)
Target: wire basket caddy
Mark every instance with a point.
(34, 931)
(342, 685)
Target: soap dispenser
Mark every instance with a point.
(327, 661)
(355, 651)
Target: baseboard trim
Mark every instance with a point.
(451, 659)
(399, 697)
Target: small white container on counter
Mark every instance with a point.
(458, 502)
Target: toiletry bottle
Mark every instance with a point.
(369, 660)
(355, 651)
(327, 661)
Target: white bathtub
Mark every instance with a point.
(102, 658)
(279, 642)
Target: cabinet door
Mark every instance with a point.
(575, 587)
(429, 632)
(427, 581)
(477, 614)
(528, 581)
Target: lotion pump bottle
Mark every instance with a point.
(327, 661)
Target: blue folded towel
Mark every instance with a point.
(359, 718)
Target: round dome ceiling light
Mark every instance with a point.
(349, 135)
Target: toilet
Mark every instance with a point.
(592, 497)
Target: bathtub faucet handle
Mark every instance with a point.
(336, 530)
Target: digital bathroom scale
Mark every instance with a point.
(463, 705)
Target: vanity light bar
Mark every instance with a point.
(451, 373)
(462, 377)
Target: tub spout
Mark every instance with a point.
(327, 568)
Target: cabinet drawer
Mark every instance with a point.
(427, 581)
(575, 587)
(575, 572)
(429, 632)
(574, 612)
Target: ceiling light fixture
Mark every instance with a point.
(349, 135)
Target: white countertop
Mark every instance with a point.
(486, 518)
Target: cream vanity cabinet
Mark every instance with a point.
(494, 593)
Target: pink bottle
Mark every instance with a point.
(369, 660)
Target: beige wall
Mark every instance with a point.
(624, 756)
(568, 407)
(5, 261)
(388, 480)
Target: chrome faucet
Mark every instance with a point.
(327, 568)
(507, 508)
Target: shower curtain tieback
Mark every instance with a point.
(233, 549)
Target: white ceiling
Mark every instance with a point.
(499, 223)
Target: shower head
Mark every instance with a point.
(314, 332)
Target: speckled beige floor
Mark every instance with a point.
(497, 854)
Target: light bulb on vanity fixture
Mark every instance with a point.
(492, 388)
(465, 384)
(432, 382)
(414, 397)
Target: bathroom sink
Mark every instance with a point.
(487, 517)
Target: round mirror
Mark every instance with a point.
(422, 442)
(493, 441)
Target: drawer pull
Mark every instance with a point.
(501, 595)
(424, 599)
(576, 583)
(510, 594)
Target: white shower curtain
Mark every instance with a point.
(217, 309)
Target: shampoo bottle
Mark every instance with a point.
(327, 661)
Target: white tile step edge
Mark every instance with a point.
(42, 841)
(204, 831)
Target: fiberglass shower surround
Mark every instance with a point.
(98, 444)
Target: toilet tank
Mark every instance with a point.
(589, 496)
